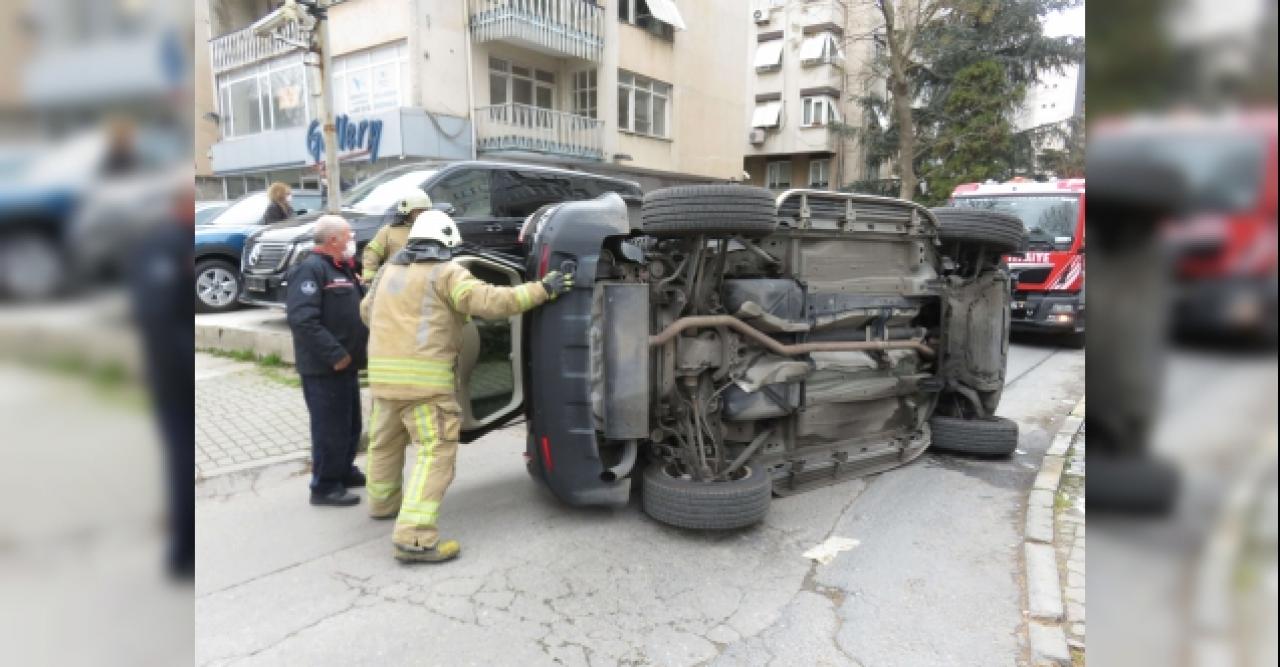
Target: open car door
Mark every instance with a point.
(490, 381)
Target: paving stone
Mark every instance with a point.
(1048, 645)
(1044, 597)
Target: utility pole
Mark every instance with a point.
(319, 64)
(324, 104)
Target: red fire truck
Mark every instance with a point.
(1049, 278)
(1224, 245)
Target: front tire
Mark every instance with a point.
(687, 503)
(32, 267)
(217, 286)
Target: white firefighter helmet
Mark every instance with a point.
(435, 226)
(413, 200)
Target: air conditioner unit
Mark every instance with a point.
(756, 136)
(760, 16)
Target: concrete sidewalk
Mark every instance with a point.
(248, 417)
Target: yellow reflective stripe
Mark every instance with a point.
(424, 507)
(411, 381)
(422, 470)
(417, 519)
(522, 296)
(462, 289)
(381, 490)
(375, 247)
(410, 363)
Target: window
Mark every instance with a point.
(468, 192)
(778, 175)
(819, 173)
(371, 80)
(766, 114)
(817, 111)
(820, 49)
(270, 96)
(660, 18)
(584, 93)
(517, 84)
(644, 105)
(518, 194)
(769, 56)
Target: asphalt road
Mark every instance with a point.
(934, 579)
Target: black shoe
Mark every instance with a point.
(355, 479)
(335, 498)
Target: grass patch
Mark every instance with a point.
(109, 379)
(1061, 502)
(283, 375)
(1077, 657)
(272, 360)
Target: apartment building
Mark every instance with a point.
(811, 64)
(650, 90)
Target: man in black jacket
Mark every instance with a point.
(329, 342)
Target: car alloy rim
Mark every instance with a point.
(216, 287)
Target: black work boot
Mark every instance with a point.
(355, 479)
(335, 498)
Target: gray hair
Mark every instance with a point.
(327, 226)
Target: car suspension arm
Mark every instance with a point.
(706, 321)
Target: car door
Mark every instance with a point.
(490, 372)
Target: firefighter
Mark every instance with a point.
(391, 237)
(416, 309)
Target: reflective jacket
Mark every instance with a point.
(416, 311)
(386, 243)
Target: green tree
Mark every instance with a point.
(928, 43)
(975, 140)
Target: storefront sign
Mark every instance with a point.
(353, 137)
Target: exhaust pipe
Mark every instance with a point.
(711, 321)
(624, 466)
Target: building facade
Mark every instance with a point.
(650, 90)
(811, 64)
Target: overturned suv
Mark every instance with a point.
(722, 346)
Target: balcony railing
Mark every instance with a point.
(521, 127)
(572, 28)
(242, 47)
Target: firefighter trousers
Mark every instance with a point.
(434, 424)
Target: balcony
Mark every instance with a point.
(562, 28)
(521, 127)
(242, 47)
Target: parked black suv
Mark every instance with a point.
(721, 346)
(489, 200)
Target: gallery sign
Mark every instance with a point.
(353, 138)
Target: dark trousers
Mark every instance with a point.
(333, 401)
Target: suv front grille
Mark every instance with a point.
(267, 257)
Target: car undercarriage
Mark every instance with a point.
(741, 346)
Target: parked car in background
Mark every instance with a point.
(208, 210)
(219, 243)
(489, 201)
(1049, 278)
(731, 346)
(70, 212)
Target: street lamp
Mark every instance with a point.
(312, 16)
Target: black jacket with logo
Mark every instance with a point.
(323, 306)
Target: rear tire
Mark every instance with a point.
(995, 436)
(973, 228)
(32, 267)
(710, 210)
(686, 503)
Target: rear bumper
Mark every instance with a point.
(1057, 313)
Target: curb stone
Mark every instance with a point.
(1045, 635)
